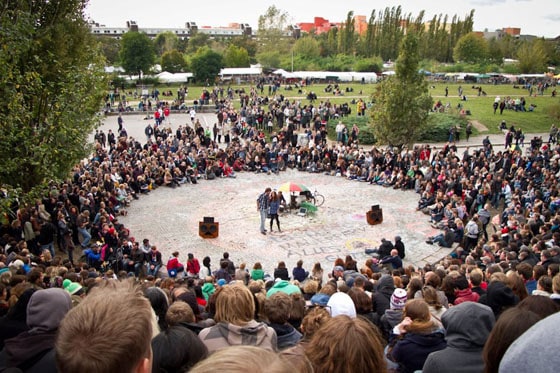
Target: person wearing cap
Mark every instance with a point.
(75, 290)
(394, 314)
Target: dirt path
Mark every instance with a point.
(479, 126)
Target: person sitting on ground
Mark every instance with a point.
(174, 267)
(85, 340)
(235, 312)
(281, 272)
(177, 349)
(467, 327)
(277, 310)
(299, 273)
(419, 335)
(394, 261)
(444, 239)
(33, 350)
(343, 339)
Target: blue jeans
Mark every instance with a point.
(50, 247)
(154, 271)
(439, 240)
(264, 214)
(86, 236)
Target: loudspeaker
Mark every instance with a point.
(375, 216)
(208, 228)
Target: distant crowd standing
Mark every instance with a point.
(385, 316)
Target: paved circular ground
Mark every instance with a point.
(170, 217)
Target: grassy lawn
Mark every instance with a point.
(479, 106)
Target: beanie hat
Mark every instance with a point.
(71, 287)
(222, 282)
(398, 299)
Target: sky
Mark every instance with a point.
(534, 17)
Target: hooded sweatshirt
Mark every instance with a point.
(45, 311)
(467, 327)
(535, 350)
(253, 333)
(382, 296)
(207, 290)
(284, 286)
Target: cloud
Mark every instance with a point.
(552, 17)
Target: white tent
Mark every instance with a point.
(167, 77)
(236, 71)
(343, 76)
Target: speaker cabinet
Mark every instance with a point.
(375, 215)
(208, 228)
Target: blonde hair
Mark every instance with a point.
(244, 359)
(235, 305)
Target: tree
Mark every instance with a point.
(402, 102)
(235, 56)
(52, 84)
(196, 41)
(110, 47)
(307, 47)
(249, 44)
(347, 36)
(272, 26)
(269, 59)
(137, 53)
(471, 48)
(173, 62)
(206, 65)
(532, 56)
(495, 52)
(165, 42)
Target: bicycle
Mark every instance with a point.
(317, 198)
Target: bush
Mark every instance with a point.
(365, 137)
(438, 126)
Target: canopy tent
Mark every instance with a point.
(167, 77)
(237, 71)
(342, 76)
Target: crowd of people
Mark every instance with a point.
(396, 317)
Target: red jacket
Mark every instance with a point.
(465, 295)
(193, 266)
(173, 263)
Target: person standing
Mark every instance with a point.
(274, 206)
(263, 203)
(120, 123)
